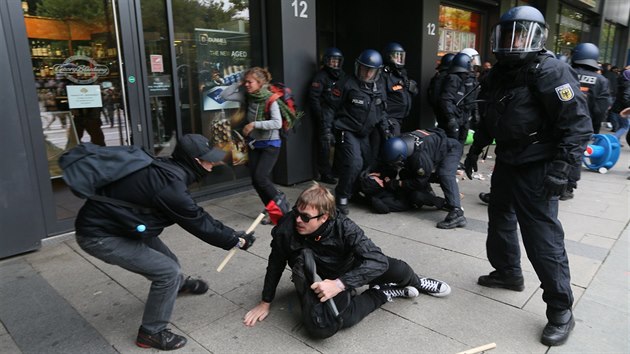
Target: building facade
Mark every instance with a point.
(144, 72)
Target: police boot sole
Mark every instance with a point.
(488, 282)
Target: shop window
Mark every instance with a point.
(572, 28)
(213, 49)
(459, 29)
(606, 42)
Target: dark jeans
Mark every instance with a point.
(447, 173)
(517, 196)
(261, 163)
(353, 309)
(150, 258)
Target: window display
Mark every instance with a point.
(459, 29)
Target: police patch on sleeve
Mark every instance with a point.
(565, 92)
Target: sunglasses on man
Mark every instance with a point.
(305, 217)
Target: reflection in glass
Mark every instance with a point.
(75, 61)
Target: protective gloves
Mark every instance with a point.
(556, 181)
(470, 164)
(248, 238)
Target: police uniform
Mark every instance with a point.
(456, 117)
(595, 87)
(432, 152)
(321, 101)
(360, 116)
(537, 116)
(400, 92)
(434, 91)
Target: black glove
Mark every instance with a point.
(556, 180)
(248, 238)
(470, 164)
(412, 86)
(452, 130)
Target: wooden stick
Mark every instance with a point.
(233, 250)
(480, 349)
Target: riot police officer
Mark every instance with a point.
(594, 85)
(359, 117)
(322, 106)
(541, 125)
(400, 89)
(458, 82)
(435, 89)
(422, 156)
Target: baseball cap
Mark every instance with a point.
(198, 146)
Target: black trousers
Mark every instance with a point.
(447, 173)
(517, 196)
(353, 309)
(261, 163)
(353, 154)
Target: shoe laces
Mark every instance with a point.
(430, 285)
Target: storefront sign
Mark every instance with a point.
(160, 85)
(222, 58)
(84, 96)
(81, 69)
(157, 65)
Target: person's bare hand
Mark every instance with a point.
(248, 128)
(326, 289)
(256, 314)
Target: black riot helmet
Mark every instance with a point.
(333, 58)
(586, 54)
(520, 34)
(445, 61)
(394, 55)
(367, 67)
(461, 63)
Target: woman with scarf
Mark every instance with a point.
(262, 133)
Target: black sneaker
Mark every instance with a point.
(567, 194)
(485, 197)
(455, 218)
(164, 340)
(194, 286)
(557, 333)
(431, 286)
(342, 206)
(498, 280)
(392, 291)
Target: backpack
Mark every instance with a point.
(288, 110)
(88, 167)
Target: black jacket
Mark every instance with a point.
(165, 192)
(535, 112)
(362, 107)
(595, 87)
(400, 92)
(343, 252)
(321, 98)
(622, 100)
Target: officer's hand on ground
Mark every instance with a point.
(470, 164)
(245, 240)
(256, 314)
(556, 181)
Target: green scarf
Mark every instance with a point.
(261, 98)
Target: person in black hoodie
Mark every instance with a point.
(319, 243)
(103, 232)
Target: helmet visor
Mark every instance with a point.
(518, 37)
(365, 73)
(398, 58)
(333, 62)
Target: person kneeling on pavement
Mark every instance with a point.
(383, 200)
(417, 156)
(319, 243)
(161, 188)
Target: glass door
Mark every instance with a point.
(76, 60)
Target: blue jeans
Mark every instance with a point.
(622, 127)
(150, 258)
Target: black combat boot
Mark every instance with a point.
(455, 218)
(497, 280)
(557, 330)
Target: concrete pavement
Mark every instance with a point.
(61, 300)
